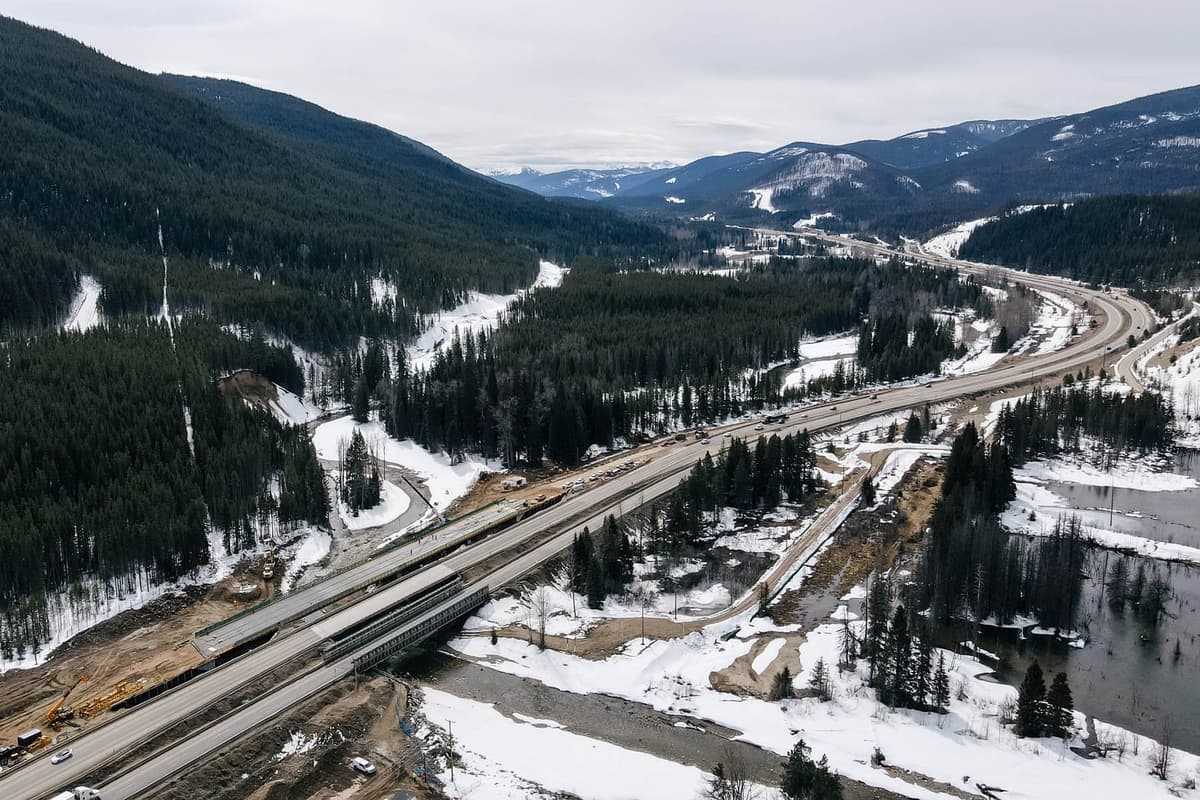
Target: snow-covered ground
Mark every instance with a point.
(446, 480)
(811, 222)
(479, 313)
(1180, 382)
(812, 370)
(292, 409)
(85, 311)
(393, 501)
(311, 549)
(947, 244)
(74, 611)
(514, 758)
(842, 345)
(674, 676)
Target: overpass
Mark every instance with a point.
(498, 559)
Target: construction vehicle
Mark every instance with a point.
(122, 691)
(60, 715)
(32, 740)
(268, 570)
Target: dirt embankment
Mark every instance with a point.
(152, 644)
(306, 754)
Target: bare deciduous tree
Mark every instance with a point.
(730, 779)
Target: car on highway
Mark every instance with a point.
(61, 756)
(758, 427)
(704, 441)
(874, 397)
(362, 765)
(728, 436)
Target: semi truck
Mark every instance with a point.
(79, 793)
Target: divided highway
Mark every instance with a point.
(104, 743)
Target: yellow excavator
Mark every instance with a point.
(59, 715)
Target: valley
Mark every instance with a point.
(335, 468)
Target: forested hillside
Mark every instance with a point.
(1127, 240)
(104, 480)
(610, 354)
(281, 220)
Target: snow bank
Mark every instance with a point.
(768, 655)
(947, 244)
(446, 480)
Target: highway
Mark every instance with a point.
(267, 617)
(100, 744)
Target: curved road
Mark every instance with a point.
(101, 744)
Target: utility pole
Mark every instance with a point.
(450, 726)
(1111, 491)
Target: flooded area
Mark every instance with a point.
(1133, 672)
(1163, 516)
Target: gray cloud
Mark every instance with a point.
(554, 84)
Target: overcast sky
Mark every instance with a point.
(506, 83)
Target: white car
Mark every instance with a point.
(61, 756)
(362, 765)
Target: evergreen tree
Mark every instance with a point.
(362, 401)
(1031, 697)
(805, 779)
(898, 689)
(941, 686)
(819, 680)
(1059, 719)
(781, 685)
(360, 478)
(912, 429)
(581, 561)
(596, 588)
(922, 687)
(868, 491)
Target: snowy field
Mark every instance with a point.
(446, 480)
(479, 313)
(514, 758)
(85, 311)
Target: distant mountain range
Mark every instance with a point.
(586, 184)
(928, 177)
